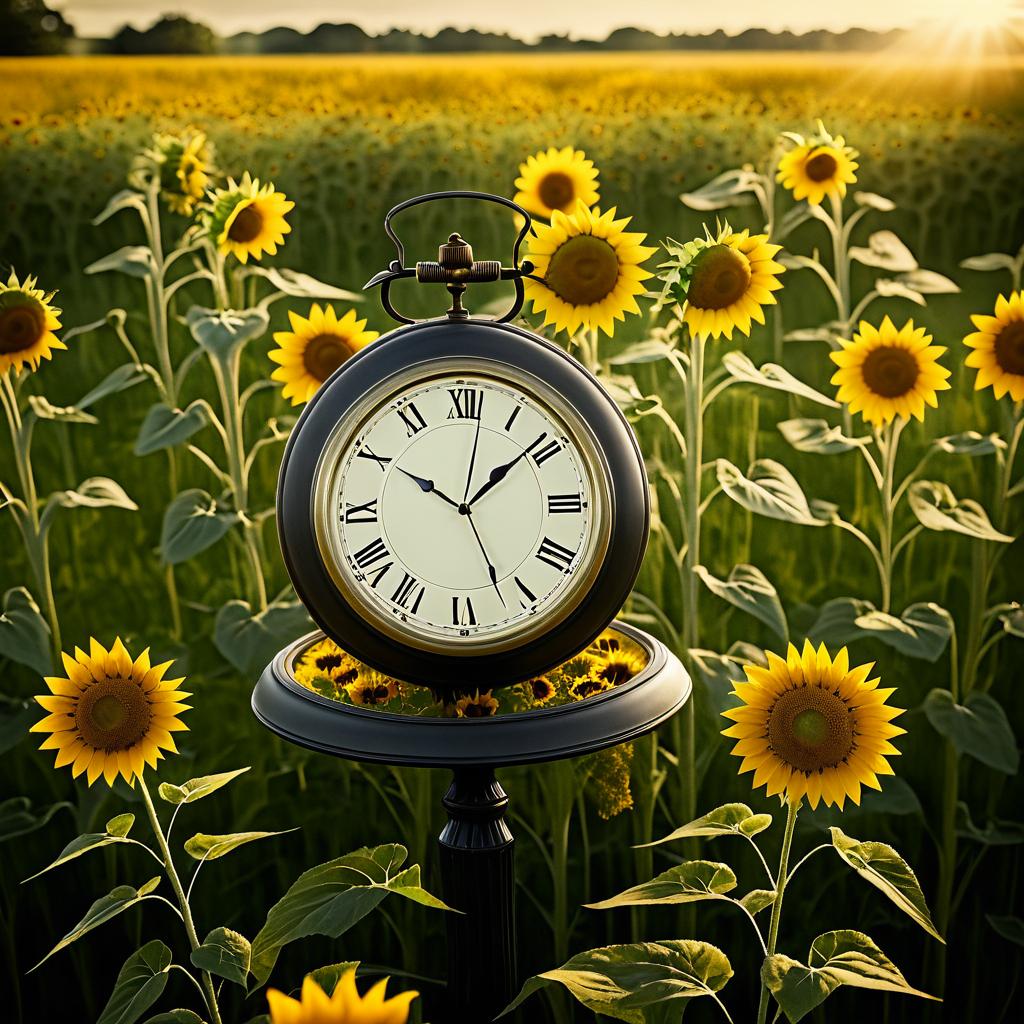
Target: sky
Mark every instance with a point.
(525, 18)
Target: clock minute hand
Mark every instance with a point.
(498, 474)
(427, 486)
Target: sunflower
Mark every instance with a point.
(480, 705)
(589, 267)
(344, 1006)
(371, 689)
(884, 372)
(327, 669)
(998, 347)
(314, 348)
(609, 780)
(587, 686)
(821, 166)
(555, 180)
(616, 661)
(247, 219)
(27, 323)
(540, 689)
(812, 727)
(722, 281)
(182, 166)
(111, 714)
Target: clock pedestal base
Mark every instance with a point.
(477, 875)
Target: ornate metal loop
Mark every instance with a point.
(455, 267)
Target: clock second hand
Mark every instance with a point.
(491, 571)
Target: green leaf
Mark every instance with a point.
(730, 188)
(330, 898)
(978, 727)
(121, 379)
(888, 872)
(649, 351)
(175, 1017)
(937, 508)
(192, 523)
(771, 375)
(874, 201)
(970, 442)
(250, 641)
(117, 831)
(836, 621)
(922, 631)
(115, 902)
(16, 716)
(96, 492)
(127, 198)
(748, 589)
(18, 819)
(45, 410)
(226, 953)
(204, 847)
(990, 261)
(223, 333)
(836, 958)
(639, 982)
(769, 489)
(140, 983)
(997, 832)
(24, 632)
(133, 260)
(896, 289)
(196, 789)
(757, 900)
(302, 286)
(688, 882)
(886, 251)
(165, 427)
(1013, 620)
(328, 977)
(727, 820)
(1009, 927)
(928, 282)
(817, 437)
(120, 825)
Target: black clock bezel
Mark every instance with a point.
(494, 345)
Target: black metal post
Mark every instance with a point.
(477, 875)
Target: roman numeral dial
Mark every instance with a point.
(466, 511)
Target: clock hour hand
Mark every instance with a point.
(427, 486)
(496, 476)
(491, 571)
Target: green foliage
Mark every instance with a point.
(226, 953)
(688, 882)
(888, 872)
(24, 633)
(202, 847)
(978, 727)
(330, 898)
(116, 832)
(140, 983)
(835, 958)
(638, 983)
(196, 789)
(729, 819)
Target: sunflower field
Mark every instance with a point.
(800, 278)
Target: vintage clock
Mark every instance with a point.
(462, 504)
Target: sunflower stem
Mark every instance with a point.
(694, 457)
(179, 892)
(782, 879)
(888, 443)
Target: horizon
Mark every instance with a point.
(531, 20)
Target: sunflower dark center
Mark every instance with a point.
(113, 714)
(615, 671)
(810, 728)
(583, 270)
(327, 662)
(587, 687)
(720, 278)
(541, 687)
(556, 190)
(478, 709)
(247, 225)
(20, 328)
(821, 167)
(890, 371)
(1010, 348)
(324, 354)
(374, 694)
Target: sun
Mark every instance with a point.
(977, 17)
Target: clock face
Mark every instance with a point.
(463, 513)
